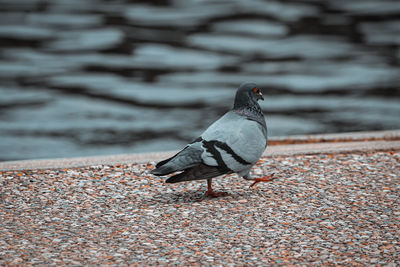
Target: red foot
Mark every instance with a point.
(211, 193)
(263, 179)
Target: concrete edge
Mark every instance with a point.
(338, 137)
(373, 141)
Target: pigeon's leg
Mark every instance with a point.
(263, 179)
(211, 193)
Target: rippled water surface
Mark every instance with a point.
(96, 77)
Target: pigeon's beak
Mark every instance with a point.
(260, 96)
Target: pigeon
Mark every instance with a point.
(232, 144)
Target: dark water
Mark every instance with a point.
(96, 77)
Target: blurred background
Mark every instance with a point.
(98, 77)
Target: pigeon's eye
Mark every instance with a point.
(255, 90)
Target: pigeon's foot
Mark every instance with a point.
(211, 193)
(263, 179)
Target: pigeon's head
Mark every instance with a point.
(247, 95)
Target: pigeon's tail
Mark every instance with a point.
(162, 170)
(167, 166)
(177, 178)
(199, 172)
(185, 159)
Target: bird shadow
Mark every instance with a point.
(193, 196)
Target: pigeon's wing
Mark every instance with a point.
(233, 142)
(188, 157)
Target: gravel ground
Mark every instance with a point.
(326, 208)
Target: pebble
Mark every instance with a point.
(343, 210)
